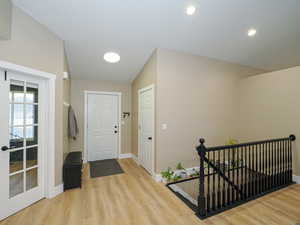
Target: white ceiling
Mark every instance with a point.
(134, 28)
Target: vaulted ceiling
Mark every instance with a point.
(134, 28)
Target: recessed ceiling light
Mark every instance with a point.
(190, 10)
(111, 57)
(251, 32)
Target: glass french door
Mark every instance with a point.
(21, 169)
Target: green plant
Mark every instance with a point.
(168, 174)
(195, 173)
(180, 167)
(176, 177)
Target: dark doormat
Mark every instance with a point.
(103, 168)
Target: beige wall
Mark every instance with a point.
(145, 78)
(196, 97)
(33, 45)
(270, 108)
(5, 19)
(77, 101)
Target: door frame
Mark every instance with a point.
(48, 124)
(86, 93)
(150, 87)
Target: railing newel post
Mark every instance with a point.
(201, 149)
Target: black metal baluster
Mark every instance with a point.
(253, 170)
(219, 180)
(291, 162)
(224, 185)
(262, 163)
(266, 166)
(208, 183)
(249, 172)
(229, 171)
(285, 162)
(281, 163)
(214, 185)
(245, 174)
(242, 174)
(270, 166)
(273, 165)
(277, 162)
(261, 170)
(232, 170)
(259, 167)
(257, 170)
(238, 173)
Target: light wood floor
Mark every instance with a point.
(134, 198)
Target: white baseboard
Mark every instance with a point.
(296, 179)
(56, 191)
(125, 156)
(135, 158)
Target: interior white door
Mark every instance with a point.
(21, 167)
(146, 128)
(102, 126)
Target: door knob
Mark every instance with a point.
(149, 138)
(116, 131)
(4, 148)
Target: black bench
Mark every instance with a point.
(72, 170)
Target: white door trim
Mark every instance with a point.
(49, 122)
(86, 93)
(152, 86)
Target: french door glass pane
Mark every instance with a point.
(31, 179)
(16, 137)
(32, 93)
(31, 114)
(16, 91)
(16, 184)
(31, 135)
(17, 111)
(15, 161)
(31, 157)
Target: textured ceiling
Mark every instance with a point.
(134, 28)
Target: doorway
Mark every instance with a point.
(146, 128)
(102, 125)
(24, 117)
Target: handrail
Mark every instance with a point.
(222, 147)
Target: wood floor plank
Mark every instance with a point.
(134, 198)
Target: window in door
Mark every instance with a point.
(23, 130)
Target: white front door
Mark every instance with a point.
(102, 126)
(146, 128)
(21, 168)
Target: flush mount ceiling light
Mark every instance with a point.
(251, 32)
(111, 57)
(190, 10)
